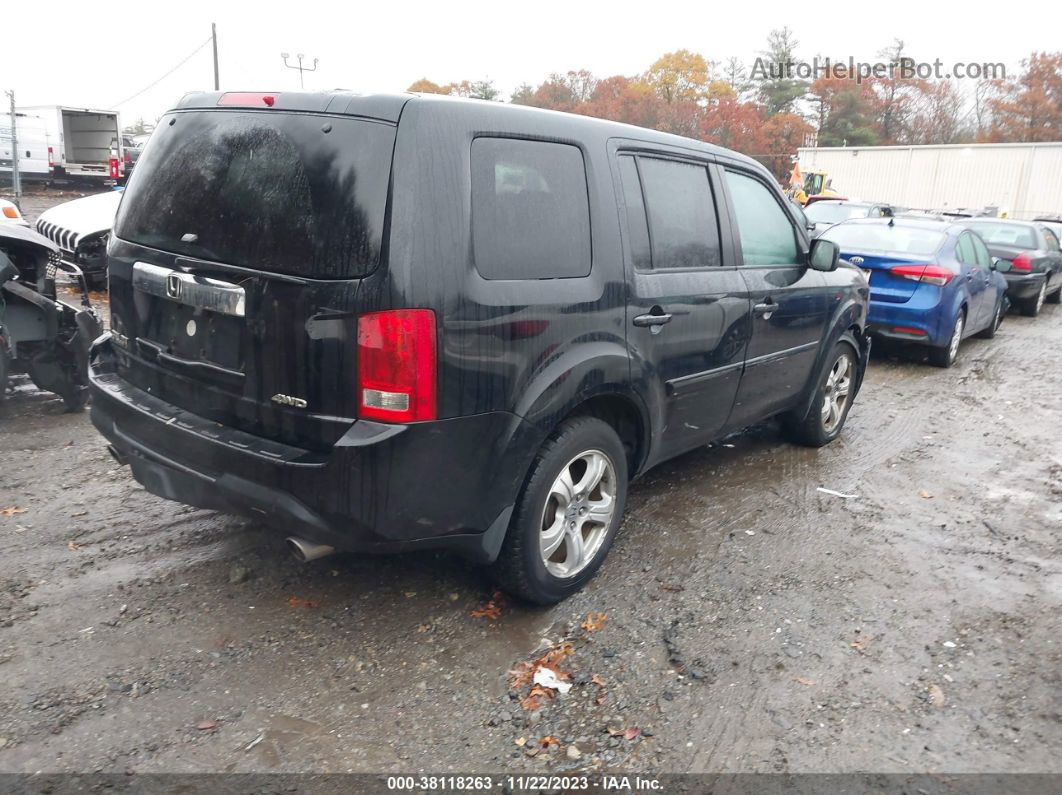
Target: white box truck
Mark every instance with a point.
(85, 143)
(1022, 180)
(34, 151)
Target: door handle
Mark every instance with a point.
(766, 309)
(645, 321)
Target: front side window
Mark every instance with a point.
(767, 236)
(530, 210)
(683, 227)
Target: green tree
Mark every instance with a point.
(778, 86)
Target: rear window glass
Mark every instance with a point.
(683, 227)
(1007, 234)
(530, 210)
(263, 190)
(834, 213)
(897, 239)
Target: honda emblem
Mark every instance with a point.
(173, 285)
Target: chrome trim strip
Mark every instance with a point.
(675, 384)
(184, 288)
(770, 357)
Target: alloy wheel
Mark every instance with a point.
(956, 339)
(578, 513)
(1040, 296)
(837, 390)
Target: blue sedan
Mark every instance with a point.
(932, 282)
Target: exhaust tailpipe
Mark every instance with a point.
(305, 551)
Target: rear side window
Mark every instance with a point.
(984, 259)
(530, 210)
(683, 227)
(767, 236)
(263, 190)
(637, 226)
(965, 250)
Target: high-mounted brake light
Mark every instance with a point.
(247, 98)
(1022, 262)
(397, 365)
(927, 274)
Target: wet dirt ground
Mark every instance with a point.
(751, 621)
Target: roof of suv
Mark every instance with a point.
(388, 107)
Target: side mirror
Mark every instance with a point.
(824, 255)
(994, 264)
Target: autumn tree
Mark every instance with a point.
(846, 110)
(938, 119)
(426, 86)
(896, 95)
(1029, 107)
(679, 75)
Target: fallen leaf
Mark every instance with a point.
(631, 732)
(597, 680)
(925, 495)
(601, 699)
(521, 741)
(860, 644)
(11, 511)
(802, 681)
(298, 601)
(73, 546)
(207, 725)
(594, 621)
(492, 609)
(936, 696)
(547, 741)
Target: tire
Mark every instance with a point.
(827, 415)
(523, 568)
(75, 401)
(1055, 297)
(5, 368)
(990, 330)
(1030, 307)
(945, 356)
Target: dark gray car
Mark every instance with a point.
(1029, 257)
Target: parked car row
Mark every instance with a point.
(397, 322)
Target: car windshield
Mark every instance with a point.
(886, 238)
(281, 192)
(834, 213)
(1002, 234)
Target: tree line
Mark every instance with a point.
(769, 113)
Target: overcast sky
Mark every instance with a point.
(99, 55)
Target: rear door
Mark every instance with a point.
(975, 282)
(994, 285)
(688, 314)
(789, 306)
(240, 249)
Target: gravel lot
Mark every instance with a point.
(752, 622)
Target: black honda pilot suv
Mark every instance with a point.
(397, 322)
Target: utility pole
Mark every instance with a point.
(300, 67)
(214, 37)
(16, 179)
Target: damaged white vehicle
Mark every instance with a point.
(81, 228)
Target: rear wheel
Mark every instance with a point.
(568, 514)
(1031, 307)
(833, 399)
(946, 355)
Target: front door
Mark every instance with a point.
(789, 306)
(688, 315)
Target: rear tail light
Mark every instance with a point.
(51, 157)
(397, 365)
(1022, 262)
(127, 158)
(927, 274)
(113, 168)
(255, 100)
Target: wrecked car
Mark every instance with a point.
(81, 228)
(41, 335)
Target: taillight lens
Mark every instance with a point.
(927, 274)
(11, 212)
(114, 168)
(396, 365)
(1022, 262)
(51, 157)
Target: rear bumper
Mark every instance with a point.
(381, 488)
(1024, 285)
(919, 320)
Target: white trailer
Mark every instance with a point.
(1022, 180)
(85, 143)
(34, 161)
